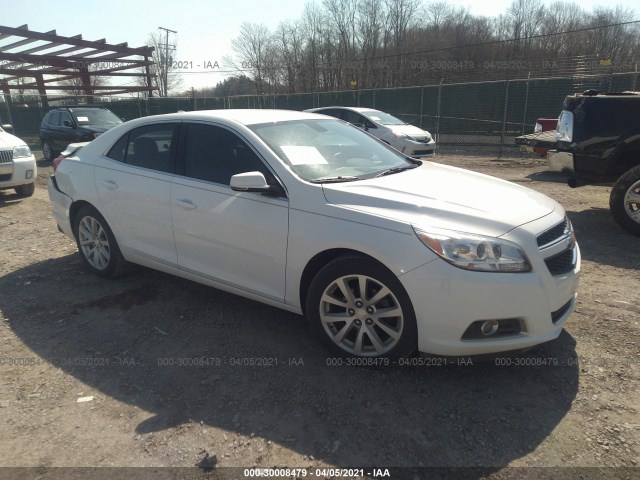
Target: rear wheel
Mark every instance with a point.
(47, 151)
(360, 309)
(96, 243)
(624, 202)
(26, 190)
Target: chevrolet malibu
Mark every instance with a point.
(382, 253)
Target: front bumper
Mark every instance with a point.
(447, 300)
(417, 149)
(60, 205)
(20, 171)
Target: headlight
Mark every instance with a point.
(474, 252)
(21, 151)
(402, 136)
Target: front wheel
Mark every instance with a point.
(360, 309)
(96, 243)
(624, 201)
(47, 151)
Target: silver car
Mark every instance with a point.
(405, 138)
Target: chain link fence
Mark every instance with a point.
(465, 118)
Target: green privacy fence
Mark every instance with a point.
(466, 118)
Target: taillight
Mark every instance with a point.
(538, 128)
(564, 132)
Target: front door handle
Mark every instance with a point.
(186, 204)
(110, 184)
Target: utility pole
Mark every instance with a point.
(166, 60)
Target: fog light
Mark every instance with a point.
(29, 174)
(489, 327)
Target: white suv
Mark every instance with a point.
(405, 138)
(17, 165)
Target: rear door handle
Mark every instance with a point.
(186, 204)
(110, 184)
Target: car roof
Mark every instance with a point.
(355, 109)
(242, 116)
(63, 107)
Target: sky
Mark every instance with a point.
(205, 27)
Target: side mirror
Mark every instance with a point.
(67, 123)
(7, 127)
(253, 182)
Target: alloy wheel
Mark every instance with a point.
(94, 243)
(361, 315)
(632, 202)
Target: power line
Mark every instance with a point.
(492, 42)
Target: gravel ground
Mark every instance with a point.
(151, 370)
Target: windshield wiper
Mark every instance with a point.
(335, 179)
(396, 170)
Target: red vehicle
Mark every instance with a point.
(544, 125)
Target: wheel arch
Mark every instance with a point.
(315, 264)
(628, 155)
(75, 208)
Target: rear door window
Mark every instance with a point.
(152, 147)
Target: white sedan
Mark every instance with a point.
(384, 254)
(17, 165)
(405, 138)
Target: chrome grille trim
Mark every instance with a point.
(6, 156)
(554, 234)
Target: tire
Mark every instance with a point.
(26, 190)
(624, 201)
(96, 244)
(47, 151)
(360, 328)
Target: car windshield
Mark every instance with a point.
(95, 116)
(329, 150)
(383, 118)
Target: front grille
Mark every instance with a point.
(6, 156)
(422, 139)
(422, 152)
(558, 314)
(562, 263)
(6, 177)
(553, 234)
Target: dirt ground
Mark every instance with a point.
(153, 371)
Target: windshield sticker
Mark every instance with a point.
(301, 155)
(83, 119)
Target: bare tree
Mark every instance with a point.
(252, 49)
(525, 18)
(370, 32)
(77, 85)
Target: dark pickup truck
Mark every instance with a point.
(598, 140)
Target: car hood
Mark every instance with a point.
(97, 128)
(9, 141)
(407, 130)
(444, 197)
